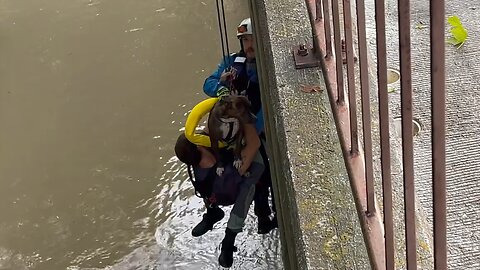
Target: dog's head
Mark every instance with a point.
(236, 106)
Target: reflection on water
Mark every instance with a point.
(93, 94)
(175, 248)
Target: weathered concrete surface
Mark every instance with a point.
(463, 123)
(319, 223)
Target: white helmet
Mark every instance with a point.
(245, 28)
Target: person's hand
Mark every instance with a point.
(245, 165)
(228, 75)
(243, 169)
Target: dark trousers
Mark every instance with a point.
(264, 188)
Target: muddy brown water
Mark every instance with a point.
(92, 96)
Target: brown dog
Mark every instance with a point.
(225, 123)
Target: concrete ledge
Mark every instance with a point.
(318, 220)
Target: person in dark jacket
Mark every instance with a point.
(227, 189)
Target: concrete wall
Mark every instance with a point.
(318, 220)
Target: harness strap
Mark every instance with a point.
(190, 176)
(230, 131)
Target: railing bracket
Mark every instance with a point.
(305, 57)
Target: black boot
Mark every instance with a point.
(212, 216)
(226, 256)
(265, 225)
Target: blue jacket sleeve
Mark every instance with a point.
(259, 123)
(212, 83)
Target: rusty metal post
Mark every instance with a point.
(407, 131)
(372, 226)
(318, 10)
(384, 134)
(437, 40)
(305, 57)
(347, 23)
(327, 29)
(366, 115)
(337, 38)
(315, 46)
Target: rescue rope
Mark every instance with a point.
(223, 30)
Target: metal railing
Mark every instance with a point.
(328, 49)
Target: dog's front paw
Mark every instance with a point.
(220, 171)
(237, 163)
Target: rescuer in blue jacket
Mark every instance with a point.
(238, 73)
